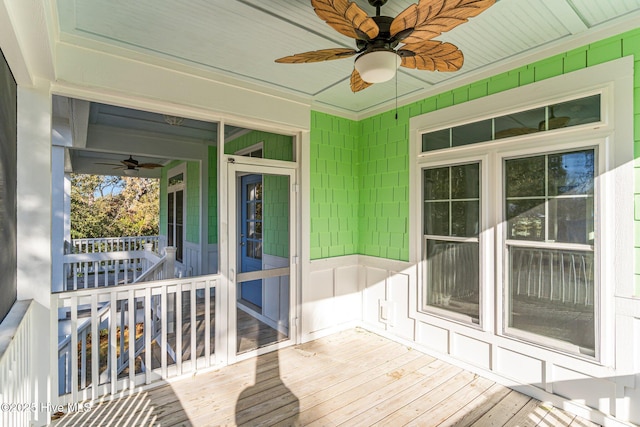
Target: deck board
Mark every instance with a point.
(354, 378)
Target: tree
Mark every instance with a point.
(109, 206)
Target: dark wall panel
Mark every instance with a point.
(8, 159)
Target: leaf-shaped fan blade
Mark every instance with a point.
(357, 84)
(430, 18)
(149, 165)
(346, 18)
(431, 56)
(317, 56)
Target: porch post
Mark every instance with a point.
(33, 234)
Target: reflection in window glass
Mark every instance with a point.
(525, 219)
(176, 179)
(465, 182)
(471, 133)
(525, 177)
(436, 218)
(571, 173)
(436, 140)
(452, 277)
(436, 184)
(574, 112)
(571, 220)
(521, 123)
(551, 286)
(551, 197)
(451, 214)
(551, 294)
(564, 114)
(464, 218)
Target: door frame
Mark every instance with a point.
(177, 170)
(252, 165)
(241, 248)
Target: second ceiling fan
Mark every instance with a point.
(132, 164)
(384, 43)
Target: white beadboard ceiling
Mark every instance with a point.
(240, 39)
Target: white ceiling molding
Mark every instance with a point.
(567, 15)
(12, 50)
(79, 121)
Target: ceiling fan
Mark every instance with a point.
(132, 166)
(378, 37)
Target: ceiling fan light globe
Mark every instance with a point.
(131, 172)
(378, 66)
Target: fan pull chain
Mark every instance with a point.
(396, 95)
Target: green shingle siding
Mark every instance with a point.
(379, 146)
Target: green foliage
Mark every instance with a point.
(111, 206)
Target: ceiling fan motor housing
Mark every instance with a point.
(378, 61)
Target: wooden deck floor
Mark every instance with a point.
(354, 378)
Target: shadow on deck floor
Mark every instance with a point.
(354, 378)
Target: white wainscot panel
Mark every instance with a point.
(470, 350)
(374, 296)
(633, 394)
(432, 337)
(524, 369)
(597, 393)
(348, 302)
(317, 301)
(398, 300)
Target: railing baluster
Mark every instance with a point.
(83, 361)
(575, 279)
(587, 291)
(207, 324)
(76, 271)
(178, 349)
(551, 264)
(540, 275)
(148, 331)
(96, 274)
(95, 347)
(564, 291)
(74, 348)
(163, 327)
(121, 303)
(132, 341)
(194, 327)
(112, 354)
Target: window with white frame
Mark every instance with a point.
(549, 241)
(176, 212)
(519, 209)
(546, 211)
(451, 225)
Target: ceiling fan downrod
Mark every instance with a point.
(377, 4)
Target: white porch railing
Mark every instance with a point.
(92, 270)
(143, 332)
(113, 244)
(16, 366)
